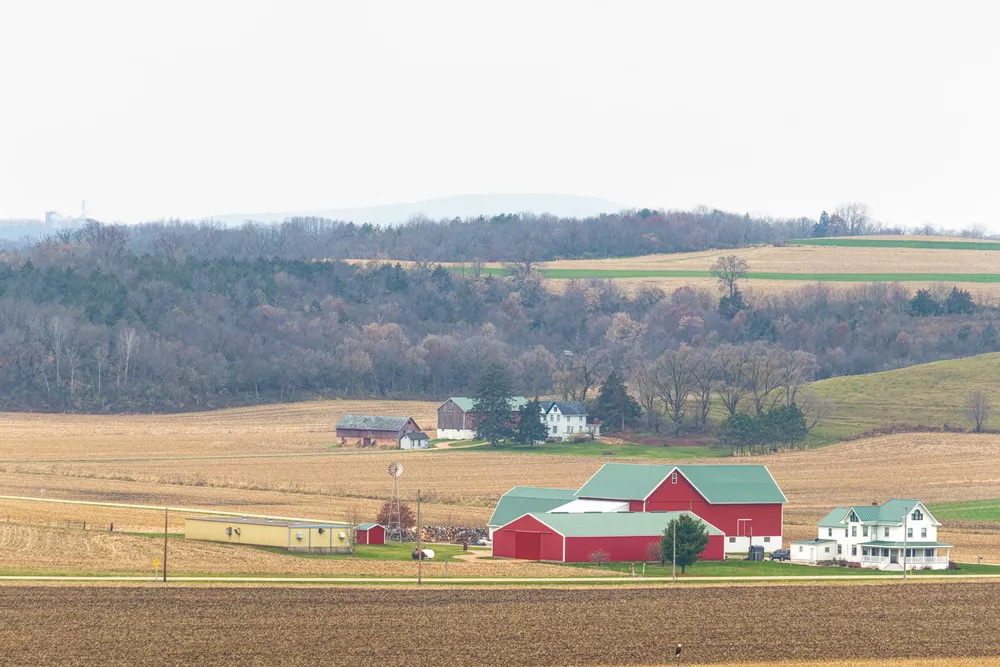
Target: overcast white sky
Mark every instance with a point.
(188, 109)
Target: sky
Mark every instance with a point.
(191, 109)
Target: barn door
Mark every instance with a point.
(528, 546)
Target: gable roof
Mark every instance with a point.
(565, 407)
(372, 422)
(523, 500)
(416, 435)
(367, 526)
(466, 403)
(891, 511)
(719, 484)
(615, 524)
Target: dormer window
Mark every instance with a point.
(917, 515)
(673, 478)
(853, 518)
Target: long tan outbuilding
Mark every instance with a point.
(291, 535)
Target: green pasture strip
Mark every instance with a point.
(598, 449)
(899, 243)
(612, 274)
(968, 510)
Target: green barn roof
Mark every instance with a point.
(523, 500)
(614, 524)
(718, 483)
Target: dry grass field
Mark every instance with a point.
(736, 625)
(459, 487)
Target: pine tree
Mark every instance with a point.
(530, 427)
(822, 228)
(923, 304)
(615, 406)
(692, 538)
(493, 405)
(959, 302)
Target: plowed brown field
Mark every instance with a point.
(177, 625)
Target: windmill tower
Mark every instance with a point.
(395, 470)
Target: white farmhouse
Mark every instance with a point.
(877, 536)
(565, 419)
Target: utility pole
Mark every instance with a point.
(905, 516)
(673, 559)
(166, 513)
(420, 553)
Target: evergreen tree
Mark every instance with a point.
(732, 304)
(959, 302)
(784, 425)
(692, 538)
(530, 427)
(988, 337)
(493, 405)
(615, 406)
(822, 228)
(739, 432)
(923, 304)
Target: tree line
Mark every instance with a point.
(91, 324)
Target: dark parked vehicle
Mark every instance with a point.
(781, 554)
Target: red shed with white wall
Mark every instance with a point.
(370, 533)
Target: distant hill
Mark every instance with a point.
(460, 206)
(931, 395)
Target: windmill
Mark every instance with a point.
(395, 470)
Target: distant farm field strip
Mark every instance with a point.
(899, 243)
(614, 274)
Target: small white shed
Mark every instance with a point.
(414, 440)
(813, 551)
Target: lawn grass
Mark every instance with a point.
(612, 274)
(969, 510)
(899, 243)
(389, 551)
(931, 395)
(768, 568)
(598, 448)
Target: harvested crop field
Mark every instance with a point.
(188, 625)
(305, 427)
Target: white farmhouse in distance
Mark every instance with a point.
(877, 536)
(565, 419)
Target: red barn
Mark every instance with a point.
(572, 538)
(619, 506)
(370, 533)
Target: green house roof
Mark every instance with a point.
(833, 519)
(718, 483)
(523, 500)
(908, 544)
(466, 403)
(891, 511)
(367, 526)
(615, 524)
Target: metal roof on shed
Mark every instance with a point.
(615, 524)
(466, 403)
(522, 500)
(264, 522)
(372, 422)
(368, 526)
(717, 483)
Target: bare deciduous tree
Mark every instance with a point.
(705, 373)
(675, 382)
(977, 406)
(731, 361)
(58, 330)
(856, 217)
(728, 270)
(814, 408)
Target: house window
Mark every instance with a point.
(673, 478)
(829, 532)
(555, 428)
(800, 549)
(854, 518)
(864, 531)
(887, 531)
(917, 515)
(854, 531)
(846, 532)
(827, 549)
(923, 532)
(840, 550)
(854, 550)
(766, 540)
(732, 540)
(909, 532)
